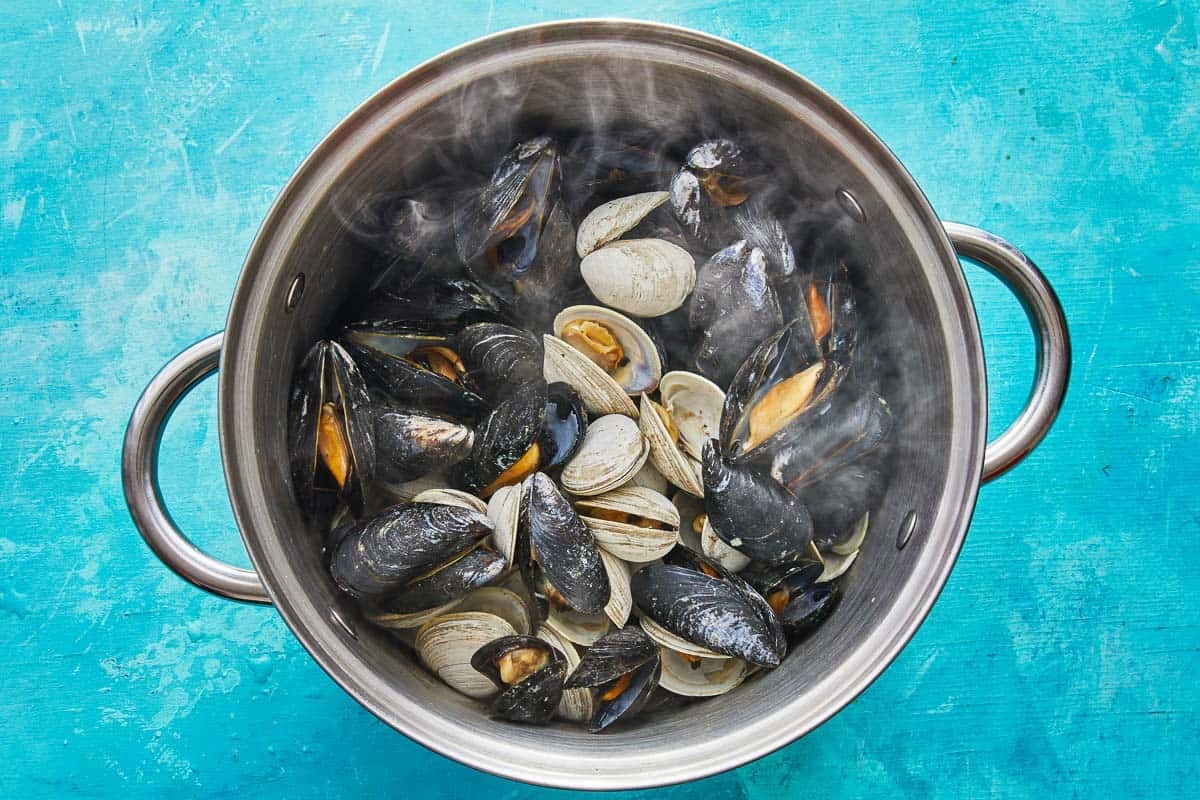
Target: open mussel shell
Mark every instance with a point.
(563, 426)
(751, 512)
(695, 404)
(614, 343)
(534, 700)
(658, 427)
(643, 277)
(616, 654)
(612, 452)
(499, 358)
(449, 583)
(409, 444)
(599, 392)
(632, 523)
(847, 426)
(505, 448)
(564, 550)
(609, 221)
(446, 644)
(576, 705)
(709, 612)
(732, 309)
(625, 697)
(383, 554)
(407, 380)
(809, 608)
(700, 677)
(512, 659)
(330, 431)
(423, 315)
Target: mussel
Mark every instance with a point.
(750, 511)
(529, 672)
(498, 358)
(447, 583)
(560, 556)
(506, 442)
(623, 667)
(330, 432)
(399, 321)
(386, 552)
(409, 444)
(563, 426)
(425, 377)
(797, 594)
(707, 611)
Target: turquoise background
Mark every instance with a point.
(141, 144)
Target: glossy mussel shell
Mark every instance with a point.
(531, 695)
(624, 667)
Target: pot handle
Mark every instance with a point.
(1026, 281)
(139, 475)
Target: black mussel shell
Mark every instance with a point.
(474, 569)
(613, 655)
(517, 194)
(781, 356)
(409, 444)
(563, 547)
(486, 659)
(504, 437)
(398, 320)
(564, 425)
(707, 611)
(686, 200)
(839, 430)
(534, 700)
(838, 501)
(498, 358)
(629, 700)
(408, 383)
(808, 609)
(552, 281)
(330, 411)
(794, 576)
(749, 510)
(732, 309)
(598, 169)
(384, 553)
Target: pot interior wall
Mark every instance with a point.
(587, 89)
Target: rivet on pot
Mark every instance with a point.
(294, 293)
(907, 526)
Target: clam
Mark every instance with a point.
(632, 523)
(385, 553)
(451, 497)
(446, 644)
(700, 677)
(599, 392)
(576, 704)
(506, 442)
(750, 511)
(728, 557)
(691, 519)
(695, 404)
(612, 452)
(529, 672)
(660, 432)
(331, 438)
(614, 343)
(668, 640)
(709, 612)
(854, 539)
(504, 603)
(406, 491)
(610, 220)
(504, 510)
(563, 425)
(836, 565)
(440, 588)
(623, 667)
(643, 277)
(387, 618)
(410, 444)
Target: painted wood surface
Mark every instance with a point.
(140, 145)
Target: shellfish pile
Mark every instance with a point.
(594, 441)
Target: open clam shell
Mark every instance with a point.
(675, 465)
(636, 365)
(836, 565)
(677, 643)
(632, 523)
(503, 603)
(854, 540)
(695, 404)
(728, 557)
(612, 452)
(707, 677)
(689, 508)
(643, 277)
(504, 510)
(446, 643)
(610, 220)
(576, 705)
(599, 392)
(451, 497)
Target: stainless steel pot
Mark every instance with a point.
(301, 266)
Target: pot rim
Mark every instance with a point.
(325, 641)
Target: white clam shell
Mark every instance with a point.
(446, 643)
(610, 220)
(649, 478)
(836, 565)
(689, 508)
(854, 541)
(728, 557)
(695, 404)
(407, 491)
(643, 365)
(504, 510)
(665, 638)
(451, 497)
(413, 619)
(504, 603)
(675, 465)
(643, 277)
(612, 451)
(620, 595)
(709, 678)
(598, 391)
(576, 704)
(628, 542)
